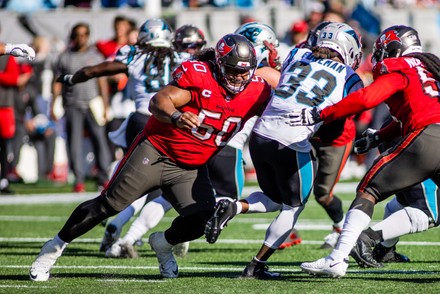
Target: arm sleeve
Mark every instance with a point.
(366, 98)
(390, 131)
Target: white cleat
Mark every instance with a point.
(40, 268)
(181, 249)
(326, 266)
(167, 263)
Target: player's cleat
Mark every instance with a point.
(388, 254)
(40, 268)
(327, 267)
(111, 235)
(259, 270)
(362, 252)
(331, 239)
(225, 210)
(292, 239)
(181, 249)
(121, 249)
(167, 263)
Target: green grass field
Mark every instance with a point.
(208, 268)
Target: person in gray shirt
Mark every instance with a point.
(78, 103)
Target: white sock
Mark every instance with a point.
(395, 225)
(340, 224)
(355, 222)
(124, 216)
(282, 226)
(149, 217)
(259, 202)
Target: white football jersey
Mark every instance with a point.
(143, 80)
(305, 81)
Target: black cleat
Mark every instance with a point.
(225, 210)
(258, 270)
(388, 254)
(362, 252)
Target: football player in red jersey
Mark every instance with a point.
(407, 80)
(208, 101)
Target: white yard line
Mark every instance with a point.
(80, 197)
(225, 269)
(223, 241)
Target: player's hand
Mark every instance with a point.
(188, 120)
(274, 58)
(370, 139)
(20, 50)
(304, 117)
(65, 79)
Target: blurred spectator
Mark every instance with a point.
(9, 74)
(121, 27)
(333, 16)
(122, 3)
(295, 35)
(368, 20)
(78, 3)
(299, 32)
(314, 13)
(28, 6)
(79, 105)
(33, 124)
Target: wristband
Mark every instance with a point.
(175, 117)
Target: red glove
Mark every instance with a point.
(274, 58)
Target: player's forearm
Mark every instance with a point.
(106, 68)
(162, 108)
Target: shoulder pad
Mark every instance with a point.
(192, 73)
(390, 65)
(126, 52)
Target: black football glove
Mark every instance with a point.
(370, 139)
(65, 79)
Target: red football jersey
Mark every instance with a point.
(405, 85)
(221, 115)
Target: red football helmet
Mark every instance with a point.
(396, 41)
(236, 62)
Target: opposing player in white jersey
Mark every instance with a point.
(148, 65)
(282, 155)
(225, 169)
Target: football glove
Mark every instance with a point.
(304, 117)
(20, 50)
(370, 139)
(274, 58)
(65, 79)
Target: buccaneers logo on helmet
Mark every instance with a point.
(389, 37)
(223, 48)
